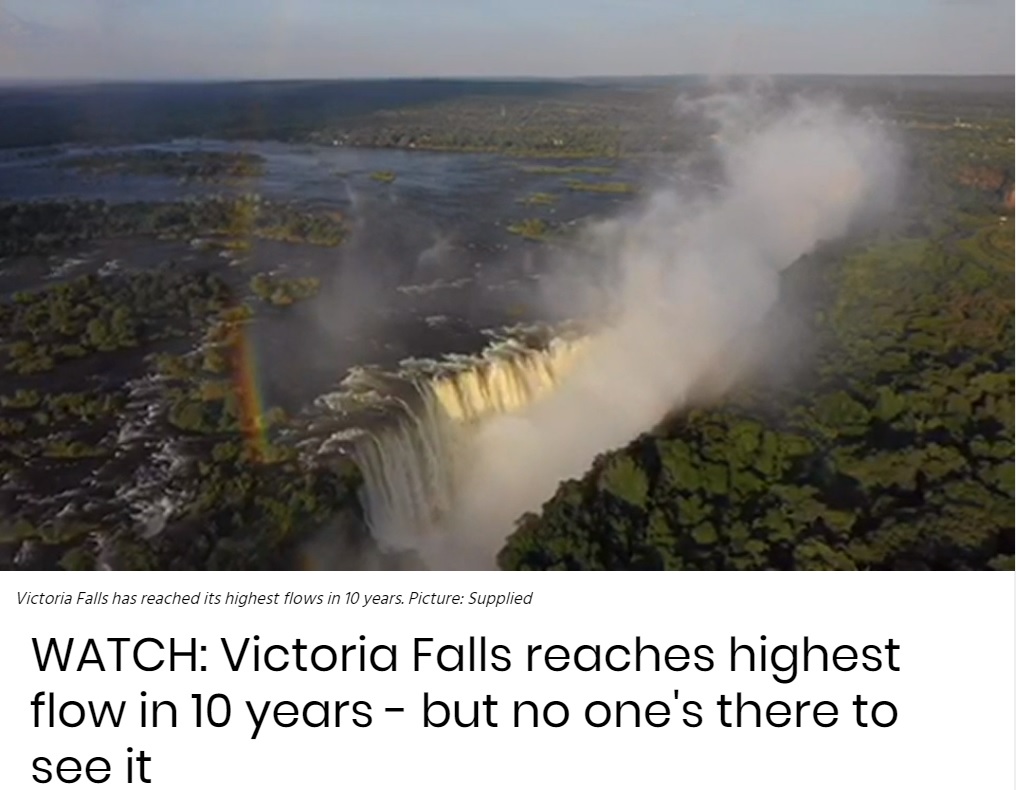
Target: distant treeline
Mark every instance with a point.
(581, 114)
(284, 110)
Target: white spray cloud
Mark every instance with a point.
(696, 273)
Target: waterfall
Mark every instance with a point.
(409, 470)
(425, 414)
(505, 382)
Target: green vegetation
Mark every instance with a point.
(568, 122)
(524, 129)
(184, 165)
(71, 450)
(206, 392)
(66, 321)
(49, 416)
(251, 515)
(46, 226)
(533, 229)
(894, 452)
(248, 501)
(48, 334)
(567, 170)
(605, 187)
(383, 176)
(66, 350)
(283, 291)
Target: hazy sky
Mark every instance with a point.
(140, 39)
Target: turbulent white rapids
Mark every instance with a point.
(414, 460)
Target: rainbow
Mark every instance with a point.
(245, 384)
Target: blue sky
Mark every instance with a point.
(144, 39)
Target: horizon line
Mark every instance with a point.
(488, 78)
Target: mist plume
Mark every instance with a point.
(692, 274)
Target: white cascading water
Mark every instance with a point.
(412, 468)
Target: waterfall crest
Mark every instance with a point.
(413, 426)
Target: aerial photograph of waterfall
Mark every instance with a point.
(402, 286)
